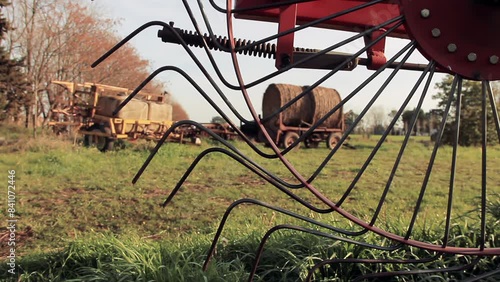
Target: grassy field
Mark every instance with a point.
(80, 217)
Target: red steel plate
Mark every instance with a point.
(462, 36)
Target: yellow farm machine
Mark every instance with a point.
(89, 110)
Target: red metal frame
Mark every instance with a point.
(313, 10)
(462, 40)
(290, 16)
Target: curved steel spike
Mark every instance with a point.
(312, 232)
(125, 40)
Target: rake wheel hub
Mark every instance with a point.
(462, 36)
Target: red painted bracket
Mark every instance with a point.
(376, 53)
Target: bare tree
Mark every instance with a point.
(59, 40)
(377, 119)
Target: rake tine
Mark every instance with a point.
(312, 232)
(125, 40)
(277, 209)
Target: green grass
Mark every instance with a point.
(90, 223)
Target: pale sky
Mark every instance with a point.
(133, 15)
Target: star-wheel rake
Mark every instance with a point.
(459, 38)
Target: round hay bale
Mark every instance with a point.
(276, 96)
(324, 100)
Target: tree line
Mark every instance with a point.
(428, 122)
(47, 40)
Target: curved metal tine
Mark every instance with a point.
(484, 145)
(206, 97)
(186, 48)
(334, 109)
(365, 261)
(238, 156)
(410, 46)
(433, 156)
(125, 40)
(277, 209)
(451, 189)
(268, 234)
(164, 138)
(255, 168)
(385, 134)
(419, 271)
(283, 160)
(494, 108)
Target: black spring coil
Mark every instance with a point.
(220, 43)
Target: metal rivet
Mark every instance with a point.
(436, 32)
(472, 57)
(425, 13)
(452, 47)
(494, 59)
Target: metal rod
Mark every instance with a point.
(456, 139)
(413, 121)
(494, 108)
(383, 138)
(433, 158)
(484, 163)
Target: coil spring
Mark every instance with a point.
(220, 43)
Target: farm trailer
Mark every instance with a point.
(287, 126)
(224, 130)
(90, 110)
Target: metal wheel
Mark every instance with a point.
(290, 138)
(332, 140)
(448, 42)
(426, 27)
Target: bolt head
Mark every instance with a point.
(494, 59)
(452, 47)
(472, 57)
(425, 13)
(436, 32)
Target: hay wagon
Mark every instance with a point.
(90, 108)
(287, 126)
